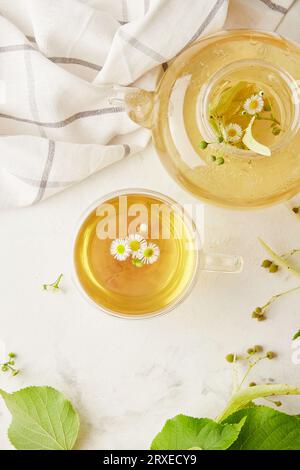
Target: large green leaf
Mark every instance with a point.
(43, 419)
(184, 432)
(266, 429)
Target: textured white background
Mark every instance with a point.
(126, 377)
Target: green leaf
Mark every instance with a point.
(266, 429)
(43, 419)
(296, 335)
(184, 432)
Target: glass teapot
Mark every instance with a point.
(225, 118)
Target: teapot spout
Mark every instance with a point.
(138, 104)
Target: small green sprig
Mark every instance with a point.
(8, 366)
(251, 357)
(259, 313)
(55, 285)
(279, 260)
(217, 160)
(203, 144)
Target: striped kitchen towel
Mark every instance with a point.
(58, 61)
(259, 14)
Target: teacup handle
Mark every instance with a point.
(220, 263)
(137, 102)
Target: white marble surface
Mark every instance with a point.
(126, 377)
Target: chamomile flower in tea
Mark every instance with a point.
(120, 249)
(150, 254)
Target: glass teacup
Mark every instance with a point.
(137, 253)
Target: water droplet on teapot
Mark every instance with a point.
(219, 52)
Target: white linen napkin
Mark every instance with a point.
(58, 61)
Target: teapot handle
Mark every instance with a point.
(137, 102)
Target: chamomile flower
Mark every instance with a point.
(136, 244)
(254, 104)
(120, 249)
(150, 254)
(233, 132)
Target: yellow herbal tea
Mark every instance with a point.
(141, 267)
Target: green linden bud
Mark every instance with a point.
(271, 355)
(250, 351)
(220, 161)
(257, 348)
(261, 318)
(15, 372)
(266, 263)
(203, 145)
(230, 358)
(11, 354)
(220, 139)
(252, 384)
(273, 268)
(277, 403)
(213, 158)
(11, 363)
(4, 368)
